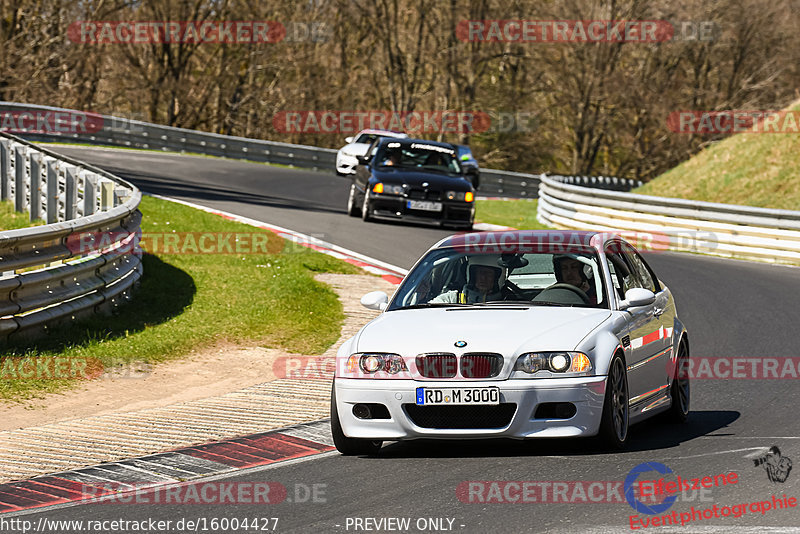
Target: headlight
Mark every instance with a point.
(373, 362)
(555, 362)
(388, 189)
(464, 196)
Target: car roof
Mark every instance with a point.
(411, 140)
(522, 240)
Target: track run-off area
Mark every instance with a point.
(732, 309)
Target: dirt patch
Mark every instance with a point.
(210, 372)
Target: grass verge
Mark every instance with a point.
(516, 213)
(188, 301)
(752, 169)
(13, 220)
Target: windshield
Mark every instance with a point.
(366, 138)
(418, 155)
(450, 277)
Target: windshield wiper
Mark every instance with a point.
(435, 305)
(503, 302)
(550, 303)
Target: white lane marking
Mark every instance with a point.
(299, 238)
(717, 453)
(749, 437)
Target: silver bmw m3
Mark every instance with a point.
(523, 334)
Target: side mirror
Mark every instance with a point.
(376, 300)
(348, 140)
(636, 297)
(465, 157)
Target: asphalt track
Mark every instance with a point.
(732, 309)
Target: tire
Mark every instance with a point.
(615, 420)
(350, 446)
(680, 391)
(366, 213)
(353, 208)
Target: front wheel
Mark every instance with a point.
(680, 390)
(350, 446)
(366, 213)
(614, 422)
(353, 209)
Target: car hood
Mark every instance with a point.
(355, 149)
(417, 178)
(508, 330)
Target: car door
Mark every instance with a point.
(664, 311)
(363, 172)
(643, 331)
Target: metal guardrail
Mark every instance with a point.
(584, 202)
(658, 223)
(115, 131)
(84, 260)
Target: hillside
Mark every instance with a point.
(754, 169)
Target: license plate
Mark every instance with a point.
(424, 205)
(457, 396)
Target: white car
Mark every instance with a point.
(346, 158)
(523, 334)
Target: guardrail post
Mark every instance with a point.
(19, 178)
(106, 195)
(5, 189)
(70, 193)
(51, 206)
(35, 208)
(89, 195)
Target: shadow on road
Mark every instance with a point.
(652, 434)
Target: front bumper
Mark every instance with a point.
(395, 207)
(346, 164)
(586, 393)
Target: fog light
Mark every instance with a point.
(362, 411)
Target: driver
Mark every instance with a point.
(483, 282)
(392, 159)
(570, 270)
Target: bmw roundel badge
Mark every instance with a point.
(460, 344)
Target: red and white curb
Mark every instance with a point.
(385, 270)
(90, 484)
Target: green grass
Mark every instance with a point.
(12, 220)
(753, 169)
(188, 301)
(516, 213)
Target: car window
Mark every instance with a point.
(638, 265)
(366, 138)
(623, 274)
(451, 276)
